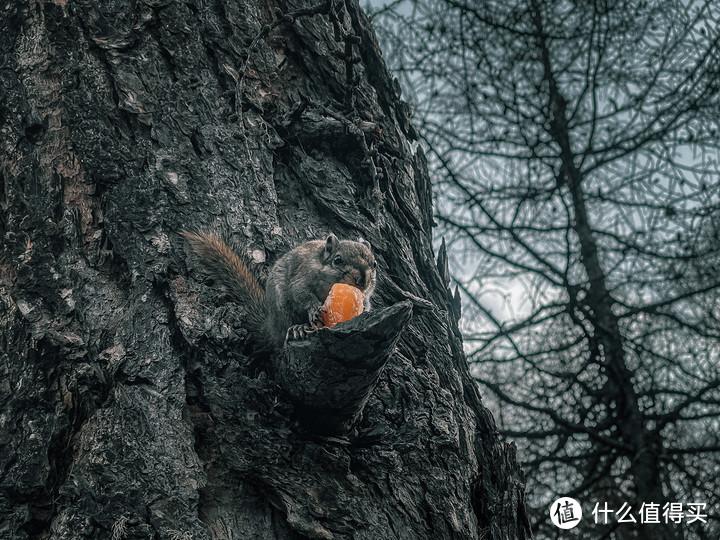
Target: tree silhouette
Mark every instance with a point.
(576, 152)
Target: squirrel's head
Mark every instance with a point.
(352, 262)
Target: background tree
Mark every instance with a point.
(575, 146)
(132, 405)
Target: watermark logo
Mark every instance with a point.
(565, 513)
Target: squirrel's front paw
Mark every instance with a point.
(299, 331)
(315, 318)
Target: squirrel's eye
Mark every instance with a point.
(374, 264)
(337, 260)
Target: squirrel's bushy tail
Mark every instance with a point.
(227, 268)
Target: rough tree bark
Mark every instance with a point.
(132, 405)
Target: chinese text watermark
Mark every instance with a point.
(566, 513)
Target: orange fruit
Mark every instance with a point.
(342, 304)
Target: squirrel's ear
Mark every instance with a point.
(365, 243)
(330, 246)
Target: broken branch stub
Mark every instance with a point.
(329, 375)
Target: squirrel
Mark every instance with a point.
(289, 305)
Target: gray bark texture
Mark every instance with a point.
(132, 404)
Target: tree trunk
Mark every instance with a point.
(643, 445)
(132, 404)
